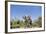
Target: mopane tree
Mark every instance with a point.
(28, 21)
(38, 22)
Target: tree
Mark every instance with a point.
(38, 22)
(28, 21)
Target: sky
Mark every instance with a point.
(22, 10)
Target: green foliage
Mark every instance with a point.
(27, 23)
(38, 22)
